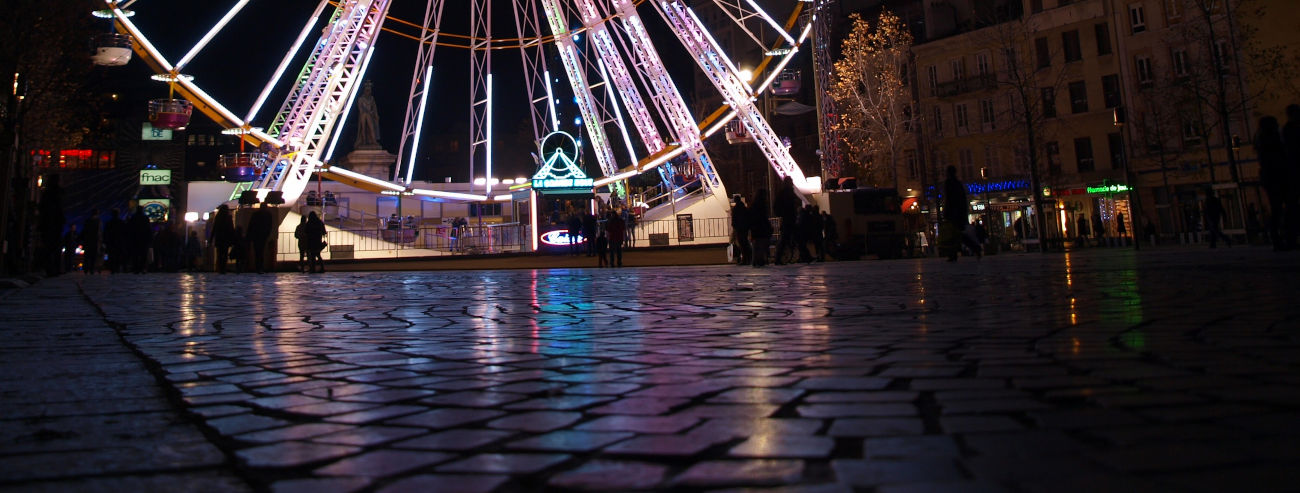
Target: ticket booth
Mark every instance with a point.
(560, 190)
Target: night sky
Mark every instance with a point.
(235, 66)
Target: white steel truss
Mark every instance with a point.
(616, 72)
(723, 74)
(831, 164)
(419, 94)
(681, 124)
(591, 115)
(480, 89)
(334, 75)
(744, 12)
(537, 80)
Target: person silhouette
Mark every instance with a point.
(1274, 176)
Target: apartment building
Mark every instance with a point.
(1067, 67)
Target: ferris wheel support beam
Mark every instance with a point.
(480, 85)
(581, 89)
(221, 24)
(333, 77)
(742, 10)
(533, 56)
(284, 63)
(681, 124)
(736, 92)
(413, 122)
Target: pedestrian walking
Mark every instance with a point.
(617, 231)
(629, 223)
(575, 232)
(260, 226)
(589, 232)
(139, 239)
(786, 207)
(222, 237)
(1274, 175)
(1214, 219)
(90, 240)
(760, 228)
(193, 250)
(830, 236)
(314, 241)
(740, 230)
(50, 222)
(70, 241)
(955, 216)
(1291, 184)
(1083, 230)
(602, 249)
(115, 242)
(298, 233)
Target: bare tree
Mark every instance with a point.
(1027, 77)
(873, 94)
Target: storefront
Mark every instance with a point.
(560, 189)
(1096, 211)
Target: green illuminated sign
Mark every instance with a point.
(1109, 188)
(560, 168)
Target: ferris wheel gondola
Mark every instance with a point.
(111, 49)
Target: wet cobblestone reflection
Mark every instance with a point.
(1101, 371)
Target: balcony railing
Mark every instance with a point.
(967, 85)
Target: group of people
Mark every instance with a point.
(124, 244)
(801, 225)
(232, 242)
(1278, 149)
(602, 236)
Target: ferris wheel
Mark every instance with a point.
(634, 118)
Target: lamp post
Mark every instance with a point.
(1134, 212)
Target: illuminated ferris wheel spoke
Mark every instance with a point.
(639, 103)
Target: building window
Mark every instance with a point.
(1053, 152)
(1049, 102)
(1116, 144)
(1173, 8)
(909, 160)
(1137, 18)
(1110, 90)
(932, 76)
(1083, 154)
(967, 159)
(1102, 31)
(1191, 131)
(74, 159)
(1070, 45)
(1223, 52)
(1078, 97)
(1145, 75)
(938, 121)
(958, 67)
(1179, 58)
(986, 114)
(959, 115)
(1044, 53)
(982, 64)
(476, 210)
(992, 161)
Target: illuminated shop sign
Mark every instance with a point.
(155, 177)
(560, 237)
(563, 183)
(1109, 188)
(997, 186)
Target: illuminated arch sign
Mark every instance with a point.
(560, 171)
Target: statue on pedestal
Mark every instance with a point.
(367, 119)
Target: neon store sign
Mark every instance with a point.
(1112, 188)
(560, 237)
(560, 170)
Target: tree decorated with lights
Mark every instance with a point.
(871, 90)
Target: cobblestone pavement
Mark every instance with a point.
(1095, 371)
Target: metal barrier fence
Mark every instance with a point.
(375, 243)
(414, 242)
